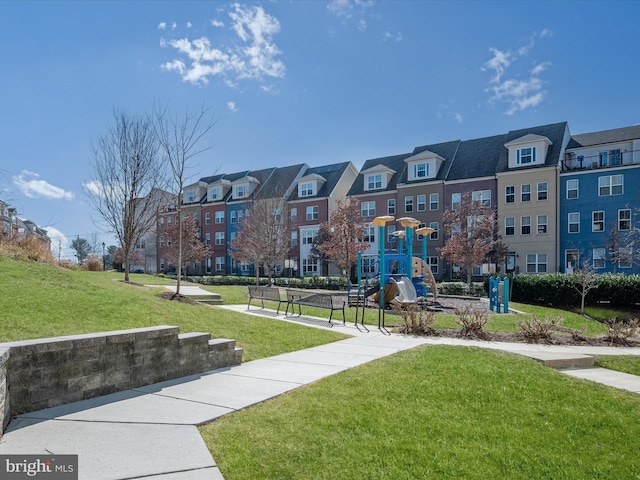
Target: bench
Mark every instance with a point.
(314, 299)
(265, 293)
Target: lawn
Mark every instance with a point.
(435, 412)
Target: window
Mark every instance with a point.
(191, 195)
(574, 222)
(168, 241)
(207, 239)
(240, 191)
(509, 194)
(408, 204)
(572, 188)
(232, 236)
(219, 238)
(615, 157)
(509, 226)
(597, 224)
(309, 267)
(525, 225)
(219, 217)
(610, 185)
(294, 214)
(434, 201)
(421, 201)
(482, 196)
(241, 215)
(391, 206)
(390, 231)
(368, 265)
(208, 266)
(436, 228)
(542, 223)
(168, 221)
(312, 212)
(309, 235)
(624, 219)
(456, 198)
(162, 221)
(207, 218)
(369, 234)
(536, 263)
(219, 264)
(161, 241)
(306, 190)
(543, 191)
(571, 259)
(214, 193)
(368, 209)
(233, 216)
(603, 159)
(433, 264)
(277, 214)
(625, 259)
(294, 238)
(195, 216)
(374, 181)
(525, 193)
(599, 257)
(526, 155)
(420, 170)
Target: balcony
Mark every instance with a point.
(601, 160)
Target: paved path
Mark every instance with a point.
(150, 432)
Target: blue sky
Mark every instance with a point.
(296, 81)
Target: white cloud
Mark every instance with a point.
(162, 26)
(189, 25)
(174, 25)
(217, 23)
(362, 25)
(94, 187)
(256, 58)
(518, 93)
(32, 187)
(231, 106)
(458, 117)
(58, 239)
(345, 8)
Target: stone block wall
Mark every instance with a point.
(49, 372)
(4, 390)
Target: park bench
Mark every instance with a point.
(265, 293)
(314, 299)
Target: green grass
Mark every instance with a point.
(622, 363)
(40, 301)
(435, 412)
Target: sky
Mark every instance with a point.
(289, 82)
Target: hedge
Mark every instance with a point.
(559, 290)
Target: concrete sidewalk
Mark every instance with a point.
(151, 431)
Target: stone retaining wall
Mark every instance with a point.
(49, 372)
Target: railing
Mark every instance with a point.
(605, 159)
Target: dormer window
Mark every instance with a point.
(526, 155)
(306, 189)
(421, 170)
(240, 191)
(214, 193)
(190, 195)
(374, 182)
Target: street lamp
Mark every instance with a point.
(104, 265)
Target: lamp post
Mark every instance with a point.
(104, 265)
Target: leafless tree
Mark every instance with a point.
(189, 249)
(585, 281)
(265, 237)
(126, 168)
(619, 247)
(180, 140)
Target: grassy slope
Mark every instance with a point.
(435, 412)
(42, 301)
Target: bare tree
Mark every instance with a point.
(472, 236)
(180, 140)
(126, 168)
(187, 249)
(619, 247)
(585, 281)
(341, 238)
(265, 237)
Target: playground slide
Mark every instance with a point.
(390, 290)
(406, 290)
(420, 267)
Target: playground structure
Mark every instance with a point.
(401, 276)
(499, 295)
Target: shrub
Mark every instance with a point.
(93, 264)
(619, 332)
(533, 330)
(415, 320)
(472, 321)
(460, 288)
